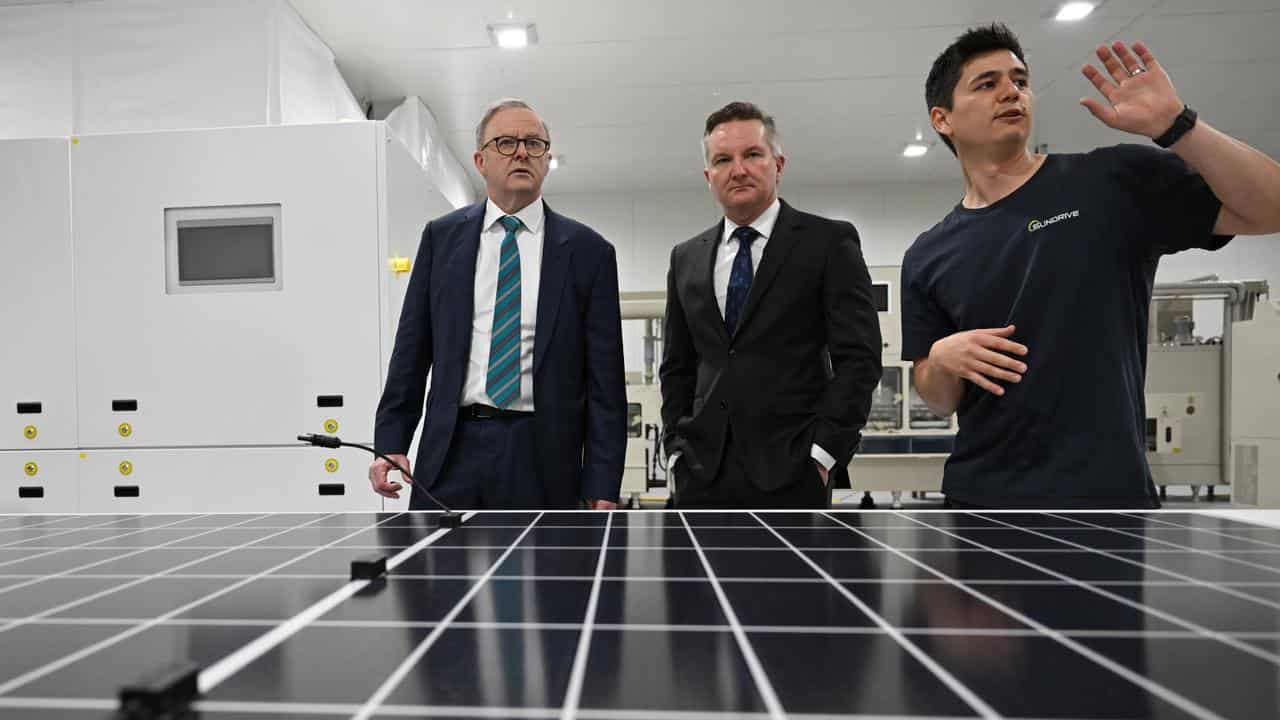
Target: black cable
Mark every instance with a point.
(332, 441)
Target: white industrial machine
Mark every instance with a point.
(1191, 386)
(180, 305)
(645, 468)
(1255, 408)
(904, 445)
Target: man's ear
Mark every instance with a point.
(940, 120)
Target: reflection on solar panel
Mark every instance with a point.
(630, 615)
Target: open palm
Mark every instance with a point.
(1140, 96)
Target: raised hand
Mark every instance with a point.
(1140, 96)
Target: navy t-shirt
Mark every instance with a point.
(1069, 258)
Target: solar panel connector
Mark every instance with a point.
(450, 518)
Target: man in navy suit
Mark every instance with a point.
(514, 311)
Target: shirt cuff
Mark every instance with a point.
(823, 457)
(671, 461)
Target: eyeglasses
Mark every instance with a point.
(506, 145)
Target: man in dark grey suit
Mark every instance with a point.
(771, 342)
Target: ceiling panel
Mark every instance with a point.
(627, 86)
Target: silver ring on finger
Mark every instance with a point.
(1137, 71)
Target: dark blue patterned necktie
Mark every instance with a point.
(739, 278)
(503, 381)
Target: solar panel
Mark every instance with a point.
(629, 615)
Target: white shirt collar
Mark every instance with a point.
(763, 224)
(531, 215)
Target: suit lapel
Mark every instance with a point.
(555, 269)
(704, 273)
(460, 279)
(775, 255)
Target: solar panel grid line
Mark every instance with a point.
(82, 546)
(100, 526)
(1226, 589)
(1225, 554)
(1154, 517)
(44, 523)
(1141, 607)
(103, 593)
(48, 668)
(691, 580)
(573, 696)
(1178, 548)
(763, 687)
(213, 675)
(41, 703)
(712, 548)
(210, 709)
(384, 690)
(970, 698)
(1185, 704)
(13, 543)
(643, 579)
(652, 627)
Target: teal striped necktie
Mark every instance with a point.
(503, 381)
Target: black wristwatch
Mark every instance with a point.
(1181, 126)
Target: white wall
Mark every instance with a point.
(644, 226)
(77, 68)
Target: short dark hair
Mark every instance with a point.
(739, 110)
(944, 76)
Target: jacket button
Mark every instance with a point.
(724, 405)
(733, 352)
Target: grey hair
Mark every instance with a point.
(499, 106)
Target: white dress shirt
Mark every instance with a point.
(725, 255)
(529, 240)
(728, 249)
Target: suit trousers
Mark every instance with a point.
(733, 490)
(490, 465)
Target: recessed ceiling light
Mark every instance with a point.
(1072, 11)
(915, 149)
(513, 35)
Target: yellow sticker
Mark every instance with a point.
(399, 264)
(331, 426)
(31, 469)
(126, 467)
(125, 429)
(331, 465)
(30, 432)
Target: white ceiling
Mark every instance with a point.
(626, 86)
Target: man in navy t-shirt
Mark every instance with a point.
(1025, 308)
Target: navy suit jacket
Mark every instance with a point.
(579, 392)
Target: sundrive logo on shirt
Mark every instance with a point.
(1035, 225)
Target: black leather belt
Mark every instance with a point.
(488, 412)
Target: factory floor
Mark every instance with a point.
(1177, 497)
